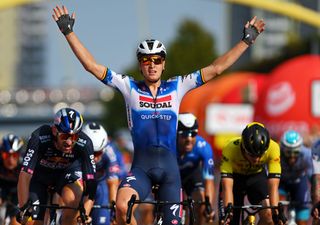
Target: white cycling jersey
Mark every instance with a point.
(153, 120)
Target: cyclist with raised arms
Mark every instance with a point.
(243, 173)
(195, 158)
(152, 110)
(107, 172)
(296, 166)
(58, 157)
(10, 164)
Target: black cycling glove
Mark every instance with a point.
(250, 34)
(65, 24)
(24, 213)
(277, 217)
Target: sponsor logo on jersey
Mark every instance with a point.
(82, 142)
(187, 76)
(156, 116)
(130, 178)
(44, 138)
(157, 103)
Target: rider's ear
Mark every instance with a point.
(54, 130)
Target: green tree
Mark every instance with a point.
(192, 49)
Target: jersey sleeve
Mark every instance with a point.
(88, 167)
(113, 167)
(31, 155)
(189, 82)
(274, 164)
(207, 159)
(307, 160)
(118, 81)
(87, 159)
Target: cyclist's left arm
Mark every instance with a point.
(226, 60)
(209, 190)
(89, 171)
(273, 187)
(113, 187)
(207, 168)
(274, 172)
(113, 172)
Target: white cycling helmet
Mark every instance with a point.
(187, 122)
(97, 134)
(151, 47)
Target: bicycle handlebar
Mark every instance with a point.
(254, 209)
(189, 202)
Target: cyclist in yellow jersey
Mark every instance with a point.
(251, 167)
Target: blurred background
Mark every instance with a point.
(276, 82)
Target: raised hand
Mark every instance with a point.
(252, 29)
(63, 19)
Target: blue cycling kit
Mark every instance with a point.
(153, 125)
(107, 168)
(201, 154)
(196, 166)
(294, 181)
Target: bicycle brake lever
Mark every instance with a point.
(129, 210)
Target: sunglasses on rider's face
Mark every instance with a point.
(188, 133)
(156, 59)
(6, 155)
(64, 136)
(291, 153)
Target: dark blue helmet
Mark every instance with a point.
(68, 121)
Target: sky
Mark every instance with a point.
(112, 30)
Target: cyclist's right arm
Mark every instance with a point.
(84, 56)
(23, 188)
(226, 188)
(28, 165)
(226, 196)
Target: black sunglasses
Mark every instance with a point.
(188, 133)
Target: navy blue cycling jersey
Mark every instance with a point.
(302, 167)
(43, 157)
(200, 154)
(153, 120)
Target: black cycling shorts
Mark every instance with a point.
(43, 183)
